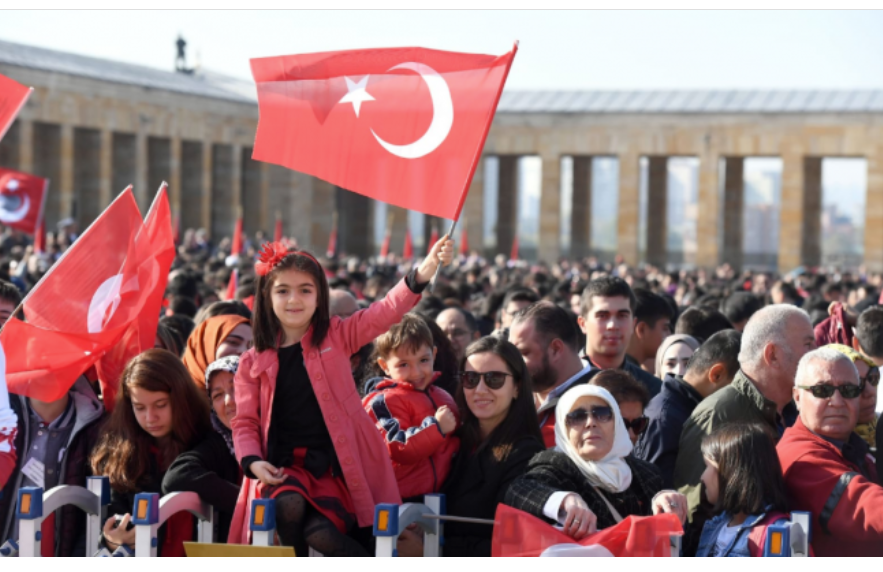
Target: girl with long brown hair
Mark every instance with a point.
(159, 413)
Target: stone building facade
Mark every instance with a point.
(94, 126)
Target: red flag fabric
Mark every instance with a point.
(408, 249)
(13, 96)
(401, 125)
(82, 307)
(517, 533)
(513, 254)
(21, 200)
(464, 240)
(277, 232)
(40, 237)
(232, 285)
(236, 247)
(154, 252)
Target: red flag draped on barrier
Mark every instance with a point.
(13, 96)
(517, 533)
(21, 200)
(100, 300)
(401, 125)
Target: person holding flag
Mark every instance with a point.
(590, 481)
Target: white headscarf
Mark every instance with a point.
(610, 473)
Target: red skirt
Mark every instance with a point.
(327, 494)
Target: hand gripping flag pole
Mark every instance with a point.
(475, 161)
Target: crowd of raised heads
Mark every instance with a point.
(577, 391)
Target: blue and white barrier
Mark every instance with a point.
(150, 512)
(790, 539)
(390, 520)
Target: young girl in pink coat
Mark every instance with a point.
(300, 432)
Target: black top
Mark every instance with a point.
(650, 381)
(553, 471)
(212, 472)
(477, 483)
(667, 412)
(297, 420)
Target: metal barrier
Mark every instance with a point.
(34, 506)
(150, 512)
(790, 539)
(390, 520)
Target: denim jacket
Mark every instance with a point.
(739, 546)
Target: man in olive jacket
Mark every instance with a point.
(773, 342)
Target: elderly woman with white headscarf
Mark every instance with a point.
(590, 481)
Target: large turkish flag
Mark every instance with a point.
(13, 96)
(402, 125)
(21, 200)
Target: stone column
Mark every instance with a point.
(811, 245)
(87, 176)
(9, 147)
(549, 247)
(192, 186)
(581, 209)
(66, 179)
(236, 171)
(25, 146)
(266, 214)
(105, 178)
(296, 197)
(628, 217)
(791, 213)
(47, 163)
(657, 198)
(708, 221)
(354, 223)
(142, 170)
(874, 209)
(507, 203)
(734, 213)
(472, 217)
(207, 180)
(175, 190)
(324, 194)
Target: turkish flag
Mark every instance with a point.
(21, 200)
(154, 252)
(81, 308)
(517, 533)
(402, 125)
(13, 96)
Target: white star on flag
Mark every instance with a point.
(356, 94)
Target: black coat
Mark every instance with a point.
(211, 471)
(667, 412)
(476, 485)
(553, 471)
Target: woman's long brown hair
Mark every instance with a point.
(265, 323)
(123, 451)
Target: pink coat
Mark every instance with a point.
(367, 469)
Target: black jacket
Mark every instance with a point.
(476, 485)
(211, 471)
(553, 471)
(650, 381)
(667, 412)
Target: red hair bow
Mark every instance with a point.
(272, 253)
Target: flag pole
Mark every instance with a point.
(476, 158)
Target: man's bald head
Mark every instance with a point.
(343, 303)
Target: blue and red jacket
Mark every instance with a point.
(421, 454)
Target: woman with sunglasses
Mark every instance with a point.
(869, 376)
(591, 481)
(498, 437)
(631, 397)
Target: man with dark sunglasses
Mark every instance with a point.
(827, 467)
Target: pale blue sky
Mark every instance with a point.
(559, 49)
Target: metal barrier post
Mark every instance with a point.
(30, 515)
(145, 516)
(801, 528)
(386, 529)
(100, 487)
(263, 522)
(432, 541)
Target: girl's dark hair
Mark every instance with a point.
(266, 324)
(521, 421)
(749, 474)
(123, 450)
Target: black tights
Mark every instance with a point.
(302, 526)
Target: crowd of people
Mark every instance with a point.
(580, 392)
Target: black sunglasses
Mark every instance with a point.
(826, 390)
(873, 377)
(492, 379)
(638, 425)
(578, 417)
